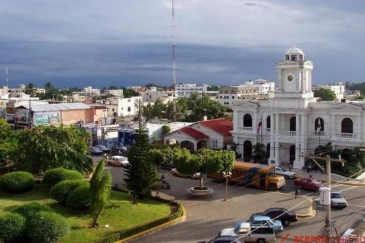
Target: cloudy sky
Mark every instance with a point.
(128, 42)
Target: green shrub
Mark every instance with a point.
(80, 198)
(29, 210)
(54, 176)
(19, 181)
(47, 227)
(12, 227)
(61, 190)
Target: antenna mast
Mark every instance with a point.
(173, 59)
(7, 77)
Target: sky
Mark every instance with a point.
(127, 42)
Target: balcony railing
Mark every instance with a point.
(287, 133)
(267, 130)
(346, 136)
(318, 134)
(245, 129)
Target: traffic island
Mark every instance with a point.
(200, 191)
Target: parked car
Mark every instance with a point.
(249, 234)
(175, 172)
(118, 149)
(284, 172)
(118, 160)
(308, 183)
(260, 221)
(338, 200)
(95, 151)
(225, 239)
(286, 217)
(103, 148)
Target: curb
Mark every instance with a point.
(155, 229)
(311, 211)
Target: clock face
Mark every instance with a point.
(290, 78)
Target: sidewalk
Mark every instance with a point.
(335, 178)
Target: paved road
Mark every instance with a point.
(205, 217)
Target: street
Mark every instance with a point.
(206, 216)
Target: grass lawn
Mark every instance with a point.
(119, 215)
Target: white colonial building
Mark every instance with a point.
(292, 121)
(186, 90)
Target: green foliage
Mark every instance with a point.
(31, 209)
(213, 88)
(352, 169)
(100, 187)
(128, 93)
(325, 94)
(140, 176)
(12, 227)
(79, 198)
(61, 190)
(19, 181)
(165, 129)
(52, 147)
(162, 156)
(54, 176)
(259, 154)
(47, 227)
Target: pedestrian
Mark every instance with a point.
(296, 192)
(290, 166)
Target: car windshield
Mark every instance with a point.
(336, 195)
(316, 182)
(284, 170)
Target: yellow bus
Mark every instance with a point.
(254, 175)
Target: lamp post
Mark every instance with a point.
(226, 175)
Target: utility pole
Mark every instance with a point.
(328, 223)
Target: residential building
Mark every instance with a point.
(214, 134)
(114, 92)
(122, 107)
(186, 90)
(338, 89)
(152, 94)
(90, 90)
(258, 90)
(294, 122)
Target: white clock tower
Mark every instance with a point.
(294, 75)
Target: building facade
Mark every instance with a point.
(186, 90)
(293, 122)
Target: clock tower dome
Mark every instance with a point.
(294, 75)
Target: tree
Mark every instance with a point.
(325, 94)
(49, 87)
(100, 186)
(203, 161)
(45, 147)
(141, 173)
(8, 142)
(165, 129)
(30, 89)
(213, 88)
(259, 154)
(128, 93)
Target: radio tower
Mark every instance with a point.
(173, 60)
(7, 77)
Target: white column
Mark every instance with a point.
(359, 128)
(277, 116)
(304, 139)
(297, 136)
(279, 79)
(333, 126)
(272, 136)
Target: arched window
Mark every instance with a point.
(247, 120)
(247, 150)
(347, 126)
(129, 109)
(268, 150)
(292, 124)
(319, 125)
(268, 122)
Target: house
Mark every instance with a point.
(214, 134)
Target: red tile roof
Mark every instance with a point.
(193, 133)
(222, 126)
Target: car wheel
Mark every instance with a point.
(286, 177)
(260, 241)
(109, 163)
(272, 187)
(286, 222)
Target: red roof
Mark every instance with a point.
(222, 126)
(193, 133)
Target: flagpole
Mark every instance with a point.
(261, 128)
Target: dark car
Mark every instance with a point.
(286, 217)
(118, 149)
(103, 148)
(225, 239)
(308, 183)
(95, 151)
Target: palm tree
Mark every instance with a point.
(259, 154)
(30, 89)
(49, 87)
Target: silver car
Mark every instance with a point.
(338, 200)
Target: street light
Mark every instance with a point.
(226, 174)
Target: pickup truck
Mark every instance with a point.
(246, 234)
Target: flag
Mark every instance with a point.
(319, 126)
(259, 125)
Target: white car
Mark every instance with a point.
(117, 160)
(284, 172)
(338, 200)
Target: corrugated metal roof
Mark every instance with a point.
(60, 107)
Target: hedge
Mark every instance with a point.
(54, 176)
(29, 210)
(48, 227)
(61, 190)
(138, 229)
(12, 227)
(19, 181)
(80, 198)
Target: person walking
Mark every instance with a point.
(296, 192)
